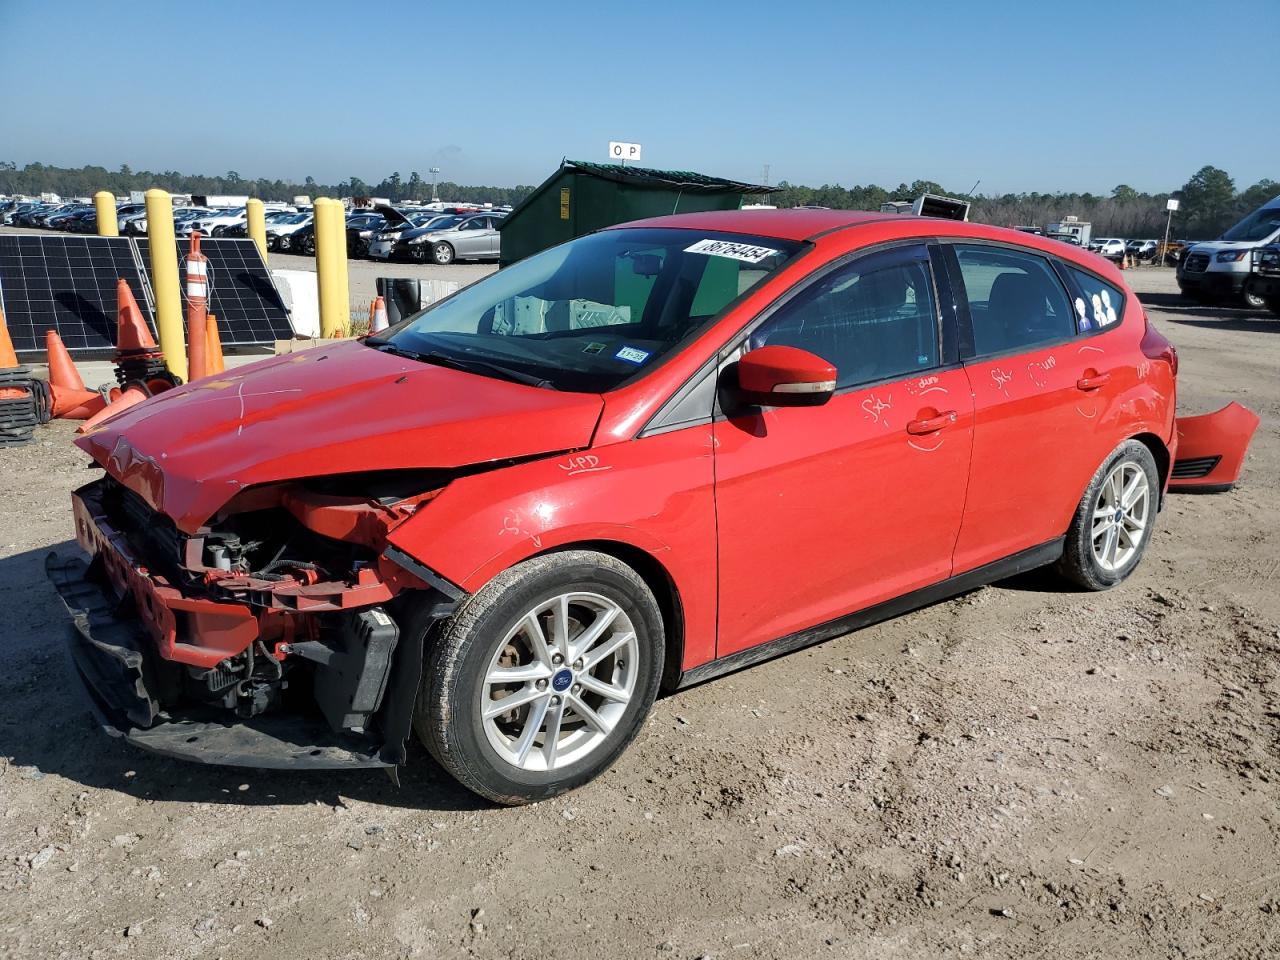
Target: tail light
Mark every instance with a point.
(1156, 347)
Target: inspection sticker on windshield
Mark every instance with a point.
(632, 355)
(745, 252)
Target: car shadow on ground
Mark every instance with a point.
(1218, 316)
(47, 727)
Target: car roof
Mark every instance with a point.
(779, 224)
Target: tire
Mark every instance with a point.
(442, 254)
(498, 756)
(1118, 554)
(285, 243)
(1251, 300)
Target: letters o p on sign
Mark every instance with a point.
(623, 151)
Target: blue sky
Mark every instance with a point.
(1029, 95)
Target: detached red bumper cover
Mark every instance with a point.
(1211, 449)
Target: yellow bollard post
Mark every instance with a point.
(331, 268)
(339, 229)
(256, 225)
(164, 281)
(105, 202)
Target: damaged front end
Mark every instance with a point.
(282, 633)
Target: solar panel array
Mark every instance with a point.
(67, 284)
(241, 292)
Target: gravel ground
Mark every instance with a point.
(1020, 772)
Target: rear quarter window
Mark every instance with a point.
(1098, 305)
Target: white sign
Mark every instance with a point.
(624, 151)
(734, 251)
(1171, 205)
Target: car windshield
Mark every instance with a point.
(1257, 226)
(294, 218)
(590, 314)
(437, 222)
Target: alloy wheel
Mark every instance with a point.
(560, 681)
(1120, 516)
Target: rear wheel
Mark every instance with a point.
(1114, 520)
(543, 677)
(442, 254)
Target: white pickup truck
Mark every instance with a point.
(1219, 270)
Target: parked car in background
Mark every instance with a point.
(86, 221)
(60, 220)
(138, 225)
(281, 230)
(402, 240)
(470, 237)
(214, 224)
(361, 229)
(126, 212)
(1141, 249)
(1110, 247)
(41, 216)
(1218, 270)
(1264, 279)
(634, 461)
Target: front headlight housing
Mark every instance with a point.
(1231, 256)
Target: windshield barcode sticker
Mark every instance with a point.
(745, 252)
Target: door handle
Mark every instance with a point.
(1093, 382)
(932, 424)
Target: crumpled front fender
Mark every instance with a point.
(1211, 449)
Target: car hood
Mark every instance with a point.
(413, 232)
(390, 214)
(343, 409)
(1212, 246)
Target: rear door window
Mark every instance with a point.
(1016, 301)
(1098, 304)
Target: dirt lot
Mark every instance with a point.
(1021, 772)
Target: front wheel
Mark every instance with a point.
(1114, 520)
(543, 677)
(1252, 300)
(442, 254)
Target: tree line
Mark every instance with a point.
(1210, 201)
(36, 178)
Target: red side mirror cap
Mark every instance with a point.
(779, 376)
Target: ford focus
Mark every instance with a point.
(622, 466)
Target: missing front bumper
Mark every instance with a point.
(122, 675)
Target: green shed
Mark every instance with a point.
(582, 197)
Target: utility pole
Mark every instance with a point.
(1170, 205)
(434, 196)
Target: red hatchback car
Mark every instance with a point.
(627, 464)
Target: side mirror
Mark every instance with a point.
(778, 376)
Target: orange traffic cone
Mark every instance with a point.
(91, 402)
(65, 400)
(214, 361)
(197, 310)
(132, 333)
(129, 398)
(7, 356)
(62, 371)
(379, 316)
